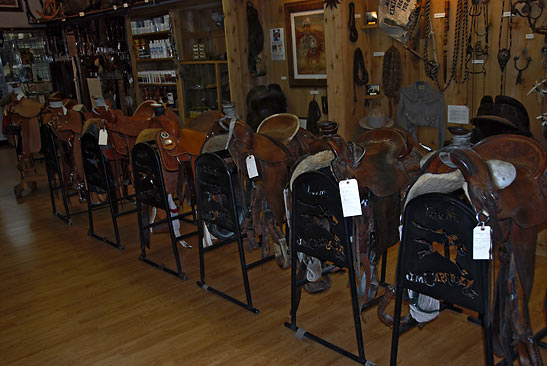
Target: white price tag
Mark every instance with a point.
(114, 7)
(283, 78)
(379, 54)
(349, 195)
(506, 14)
(125, 5)
(477, 61)
(529, 36)
(482, 243)
(103, 137)
(252, 171)
(314, 92)
(81, 13)
(439, 15)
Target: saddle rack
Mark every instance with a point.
(55, 174)
(150, 190)
(99, 178)
(316, 201)
(216, 204)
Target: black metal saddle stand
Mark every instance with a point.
(150, 190)
(315, 201)
(55, 175)
(431, 221)
(99, 179)
(216, 204)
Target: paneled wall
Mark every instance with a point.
(339, 53)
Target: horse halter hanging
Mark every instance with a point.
(359, 66)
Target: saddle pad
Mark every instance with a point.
(281, 127)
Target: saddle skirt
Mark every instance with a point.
(184, 145)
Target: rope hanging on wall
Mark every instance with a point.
(359, 66)
(392, 76)
(353, 34)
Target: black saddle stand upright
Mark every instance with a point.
(432, 224)
(216, 204)
(319, 229)
(55, 175)
(150, 190)
(99, 179)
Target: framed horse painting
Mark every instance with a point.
(306, 43)
(10, 5)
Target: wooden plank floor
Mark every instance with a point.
(68, 299)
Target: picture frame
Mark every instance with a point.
(305, 26)
(11, 5)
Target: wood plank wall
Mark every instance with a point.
(340, 51)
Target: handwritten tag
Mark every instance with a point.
(349, 195)
(252, 171)
(103, 137)
(482, 243)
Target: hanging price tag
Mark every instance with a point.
(103, 137)
(482, 243)
(349, 195)
(252, 171)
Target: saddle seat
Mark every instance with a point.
(379, 168)
(282, 127)
(27, 108)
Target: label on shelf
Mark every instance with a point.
(439, 15)
(530, 36)
(314, 92)
(378, 54)
(477, 61)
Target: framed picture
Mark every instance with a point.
(10, 5)
(306, 43)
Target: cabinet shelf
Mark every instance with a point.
(158, 34)
(155, 59)
(158, 84)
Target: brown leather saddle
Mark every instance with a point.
(514, 202)
(25, 113)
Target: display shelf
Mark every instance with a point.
(369, 26)
(158, 34)
(158, 84)
(162, 59)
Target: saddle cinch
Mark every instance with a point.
(505, 180)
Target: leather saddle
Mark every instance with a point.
(178, 146)
(285, 128)
(25, 113)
